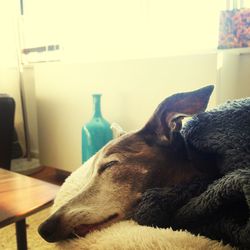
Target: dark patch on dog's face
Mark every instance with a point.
(145, 165)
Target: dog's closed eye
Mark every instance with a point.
(106, 165)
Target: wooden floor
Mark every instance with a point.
(52, 175)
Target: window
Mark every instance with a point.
(96, 30)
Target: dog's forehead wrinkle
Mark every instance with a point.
(111, 157)
(129, 145)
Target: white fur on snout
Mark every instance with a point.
(96, 201)
(98, 196)
(81, 177)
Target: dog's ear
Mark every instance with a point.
(168, 116)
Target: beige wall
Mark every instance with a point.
(131, 91)
(243, 86)
(233, 77)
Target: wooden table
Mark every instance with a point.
(21, 196)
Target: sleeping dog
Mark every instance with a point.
(152, 157)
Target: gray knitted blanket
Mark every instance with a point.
(219, 209)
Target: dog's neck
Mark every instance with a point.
(190, 157)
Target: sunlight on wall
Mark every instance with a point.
(99, 30)
(131, 90)
(8, 27)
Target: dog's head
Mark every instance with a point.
(120, 172)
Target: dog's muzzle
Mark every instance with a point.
(50, 230)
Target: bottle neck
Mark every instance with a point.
(97, 105)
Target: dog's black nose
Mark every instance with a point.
(49, 229)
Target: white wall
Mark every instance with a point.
(131, 91)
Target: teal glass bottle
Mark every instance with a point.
(96, 133)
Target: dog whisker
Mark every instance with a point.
(76, 235)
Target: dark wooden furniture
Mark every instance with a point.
(21, 196)
(7, 111)
(51, 175)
